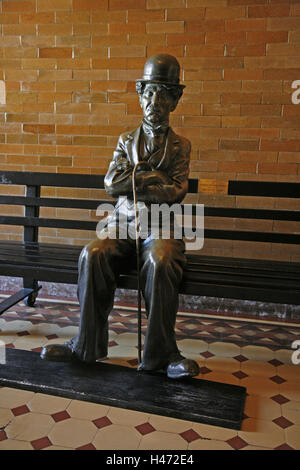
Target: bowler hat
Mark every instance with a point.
(162, 68)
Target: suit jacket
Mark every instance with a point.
(172, 163)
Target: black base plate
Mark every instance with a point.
(190, 399)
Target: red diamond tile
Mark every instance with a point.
(204, 370)
(20, 410)
(284, 447)
(112, 343)
(190, 435)
(237, 442)
(54, 336)
(87, 447)
(282, 422)
(102, 422)
(240, 374)
(280, 399)
(23, 333)
(39, 350)
(207, 354)
(275, 362)
(240, 358)
(145, 428)
(3, 435)
(133, 362)
(61, 416)
(41, 443)
(277, 379)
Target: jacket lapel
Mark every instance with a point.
(132, 148)
(132, 145)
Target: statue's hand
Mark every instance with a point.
(150, 178)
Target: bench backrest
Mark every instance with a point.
(32, 201)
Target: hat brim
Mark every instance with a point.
(161, 82)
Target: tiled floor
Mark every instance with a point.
(256, 355)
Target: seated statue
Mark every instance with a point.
(161, 177)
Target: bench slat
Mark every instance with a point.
(264, 188)
(91, 204)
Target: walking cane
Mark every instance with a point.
(137, 238)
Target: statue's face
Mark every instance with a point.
(156, 103)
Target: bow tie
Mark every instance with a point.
(155, 130)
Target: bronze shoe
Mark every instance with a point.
(182, 368)
(57, 352)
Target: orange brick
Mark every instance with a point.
(238, 37)
(9, 18)
(141, 39)
(8, 5)
(90, 5)
(259, 156)
(281, 145)
(146, 15)
(109, 16)
(294, 36)
(18, 29)
(253, 50)
(128, 51)
(110, 40)
(221, 109)
(53, 5)
(289, 157)
(127, 28)
(283, 49)
(225, 12)
(152, 4)
(73, 63)
(237, 167)
(127, 4)
(54, 29)
(240, 121)
(186, 38)
(72, 18)
(37, 18)
(291, 110)
(202, 51)
(177, 51)
(185, 13)
(247, 2)
(283, 24)
(75, 130)
(245, 25)
(205, 25)
(259, 133)
(47, 52)
(272, 62)
(261, 110)
(280, 74)
(268, 11)
(242, 74)
(165, 27)
(39, 128)
(277, 168)
(258, 37)
(239, 144)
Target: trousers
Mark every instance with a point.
(161, 268)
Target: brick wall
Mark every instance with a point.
(69, 68)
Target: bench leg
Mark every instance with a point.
(31, 284)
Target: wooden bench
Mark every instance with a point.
(215, 276)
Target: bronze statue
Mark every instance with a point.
(161, 177)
